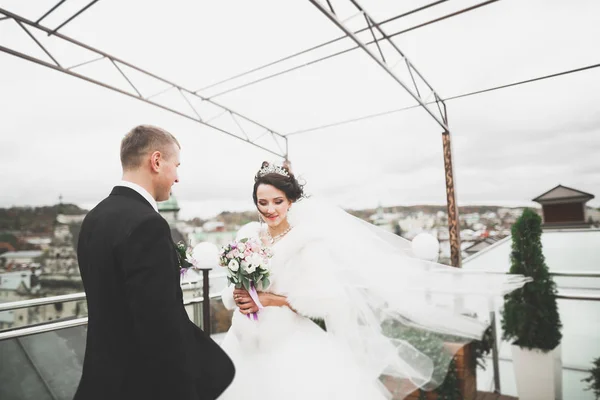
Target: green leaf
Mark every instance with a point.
(265, 283)
(246, 283)
(320, 323)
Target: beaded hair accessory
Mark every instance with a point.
(273, 169)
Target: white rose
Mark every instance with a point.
(245, 264)
(241, 247)
(233, 265)
(250, 268)
(255, 259)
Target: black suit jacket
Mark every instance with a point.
(140, 341)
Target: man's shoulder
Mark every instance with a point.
(123, 210)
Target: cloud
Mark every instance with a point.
(60, 135)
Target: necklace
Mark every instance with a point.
(282, 234)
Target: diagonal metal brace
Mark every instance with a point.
(439, 118)
(439, 114)
(238, 119)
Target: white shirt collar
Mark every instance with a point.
(141, 191)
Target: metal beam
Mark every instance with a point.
(334, 54)
(50, 11)
(438, 113)
(413, 91)
(454, 97)
(310, 49)
(72, 17)
(233, 118)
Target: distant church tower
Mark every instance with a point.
(169, 210)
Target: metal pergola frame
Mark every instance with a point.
(419, 83)
(198, 104)
(415, 84)
(303, 64)
(438, 113)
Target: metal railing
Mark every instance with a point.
(54, 326)
(57, 325)
(576, 274)
(16, 305)
(205, 301)
(560, 295)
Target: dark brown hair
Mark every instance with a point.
(287, 184)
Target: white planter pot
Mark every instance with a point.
(538, 375)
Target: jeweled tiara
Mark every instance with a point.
(273, 169)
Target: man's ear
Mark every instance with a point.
(155, 161)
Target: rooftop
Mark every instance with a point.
(9, 255)
(561, 192)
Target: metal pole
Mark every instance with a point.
(205, 301)
(495, 355)
(453, 222)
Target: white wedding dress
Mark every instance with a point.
(285, 355)
(356, 278)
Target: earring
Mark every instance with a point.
(260, 220)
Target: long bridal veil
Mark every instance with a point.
(386, 319)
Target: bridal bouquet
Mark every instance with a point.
(247, 264)
(184, 256)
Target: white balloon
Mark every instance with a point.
(206, 254)
(426, 247)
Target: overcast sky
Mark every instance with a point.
(61, 135)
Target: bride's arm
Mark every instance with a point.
(274, 300)
(316, 291)
(227, 298)
(247, 305)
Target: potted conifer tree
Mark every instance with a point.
(530, 317)
(594, 378)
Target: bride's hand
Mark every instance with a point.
(244, 301)
(247, 305)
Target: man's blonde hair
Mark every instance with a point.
(141, 141)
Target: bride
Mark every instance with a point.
(348, 308)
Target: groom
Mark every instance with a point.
(140, 341)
